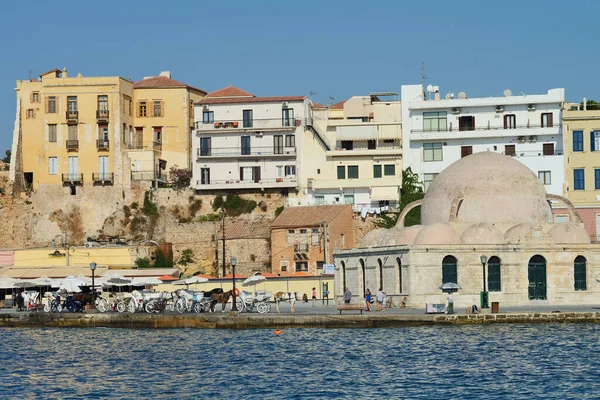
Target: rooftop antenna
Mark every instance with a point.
(311, 93)
(423, 77)
(130, 78)
(331, 99)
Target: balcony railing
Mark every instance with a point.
(102, 115)
(72, 178)
(73, 145)
(530, 153)
(484, 128)
(148, 176)
(252, 124)
(72, 116)
(102, 144)
(144, 146)
(300, 247)
(246, 151)
(103, 177)
(156, 145)
(288, 181)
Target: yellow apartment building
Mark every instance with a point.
(581, 142)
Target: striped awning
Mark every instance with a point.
(384, 193)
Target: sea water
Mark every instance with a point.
(435, 362)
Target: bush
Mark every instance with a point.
(218, 202)
(142, 262)
(136, 224)
(186, 258)
(179, 178)
(150, 208)
(195, 206)
(209, 218)
(279, 210)
(134, 205)
(162, 260)
(127, 211)
(262, 205)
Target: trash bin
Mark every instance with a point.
(495, 307)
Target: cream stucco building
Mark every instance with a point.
(485, 204)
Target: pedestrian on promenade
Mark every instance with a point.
(314, 296)
(450, 309)
(347, 296)
(380, 299)
(368, 299)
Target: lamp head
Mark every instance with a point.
(483, 259)
(233, 261)
(93, 266)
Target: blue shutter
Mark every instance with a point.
(592, 142)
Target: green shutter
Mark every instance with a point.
(389, 170)
(494, 277)
(341, 172)
(376, 171)
(580, 275)
(449, 271)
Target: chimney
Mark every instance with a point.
(584, 104)
(436, 96)
(166, 74)
(64, 72)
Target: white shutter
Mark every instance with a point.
(103, 167)
(52, 165)
(73, 168)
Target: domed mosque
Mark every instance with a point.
(484, 214)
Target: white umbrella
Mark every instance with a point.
(6, 282)
(69, 286)
(115, 280)
(450, 286)
(24, 283)
(45, 281)
(253, 280)
(190, 281)
(72, 280)
(146, 282)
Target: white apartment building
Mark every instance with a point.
(246, 142)
(352, 153)
(437, 132)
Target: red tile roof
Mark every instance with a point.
(338, 106)
(234, 100)
(317, 105)
(230, 91)
(307, 216)
(162, 82)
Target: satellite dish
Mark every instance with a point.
(507, 93)
(429, 88)
(462, 95)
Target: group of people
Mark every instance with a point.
(380, 295)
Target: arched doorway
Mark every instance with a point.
(580, 273)
(449, 273)
(399, 263)
(380, 266)
(537, 278)
(364, 275)
(344, 276)
(494, 281)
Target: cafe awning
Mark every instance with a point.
(385, 193)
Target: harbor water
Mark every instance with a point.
(433, 362)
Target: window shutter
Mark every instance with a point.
(550, 125)
(162, 109)
(592, 141)
(46, 104)
(241, 173)
(505, 121)
(137, 109)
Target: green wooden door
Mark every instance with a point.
(537, 278)
(494, 275)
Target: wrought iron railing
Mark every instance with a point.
(245, 151)
(102, 144)
(72, 145)
(72, 177)
(103, 176)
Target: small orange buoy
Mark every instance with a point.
(278, 332)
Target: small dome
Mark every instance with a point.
(400, 236)
(569, 232)
(517, 232)
(373, 238)
(482, 233)
(437, 234)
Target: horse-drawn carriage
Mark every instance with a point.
(259, 301)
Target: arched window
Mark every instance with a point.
(344, 275)
(449, 270)
(380, 265)
(399, 262)
(494, 280)
(364, 276)
(580, 274)
(536, 272)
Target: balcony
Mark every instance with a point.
(157, 145)
(485, 131)
(384, 181)
(301, 247)
(148, 176)
(103, 177)
(239, 125)
(225, 152)
(72, 116)
(102, 115)
(538, 153)
(73, 145)
(287, 182)
(72, 178)
(381, 151)
(102, 145)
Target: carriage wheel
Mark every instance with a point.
(102, 306)
(150, 306)
(131, 306)
(198, 308)
(262, 308)
(240, 305)
(47, 307)
(180, 307)
(121, 306)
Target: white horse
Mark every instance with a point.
(286, 296)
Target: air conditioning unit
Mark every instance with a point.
(259, 134)
(456, 111)
(205, 107)
(285, 104)
(499, 109)
(531, 107)
(521, 139)
(533, 138)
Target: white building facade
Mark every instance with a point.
(528, 127)
(246, 142)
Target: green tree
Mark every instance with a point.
(590, 105)
(142, 262)
(162, 260)
(6, 159)
(186, 258)
(411, 190)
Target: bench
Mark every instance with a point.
(349, 307)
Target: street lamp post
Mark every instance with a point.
(93, 268)
(233, 304)
(484, 294)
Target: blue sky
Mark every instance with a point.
(333, 48)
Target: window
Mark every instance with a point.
(427, 179)
(35, 97)
(577, 140)
(548, 149)
(580, 273)
(352, 171)
(596, 179)
(315, 238)
(208, 117)
(509, 150)
(103, 133)
(594, 140)
(320, 267)
(341, 172)
(51, 107)
(72, 132)
(158, 134)
(290, 170)
(435, 121)
(103, 103)
(30, 113)
(432, 151)
(52, 129)
(371, 144)
(205, 146)
(449, 270)
(494, 284)
(561, 218)
(510, 121)
(247, 119)
(205, 176)
(72, 104)
(348, 199)
(544, 177)
(287, 117)
(377, 171)
(130, 106)
(342, 240)
(290, 141)
(466, 151)
(579, 179)
(466, 123)
(246, 147)
(547, 120)
(389, 170)
(139, 138)
(347, 144)
(319, 200)
(302, 266)
(142, 109)
(250, 174)
(283, 265)
(158, 108)
(53, 165)
(278, 144)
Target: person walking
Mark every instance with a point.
(347, 296)
(368, 299)
(380, 300)
(450, 309)
(314, 296)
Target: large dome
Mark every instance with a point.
(486, 187)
